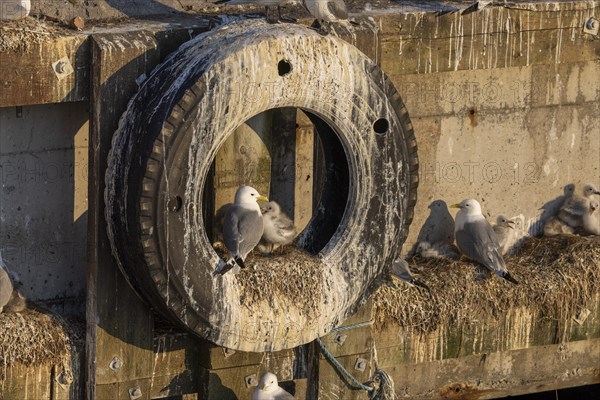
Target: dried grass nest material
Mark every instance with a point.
(23, 33)
(559, 277)
(289, 273)
(33, 338)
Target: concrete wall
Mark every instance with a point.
(43, 200)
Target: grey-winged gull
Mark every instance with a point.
(243, 227)
(476, 238)
(279, 228)
(268, 389)
(505, 232)
(575, 207)
(328, 11)
(552, 208)
(399, 269)
(438, 228)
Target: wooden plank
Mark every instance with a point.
(214, 357)
(494, 375)
(119, 323)
(490, 20)
(331, 386)
(31, 79)
(113, 307)
(495, 50)
(26, 383)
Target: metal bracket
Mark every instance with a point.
(135, 393)
(361, 364)
(251, 380)
(592, 26)
(62, 68)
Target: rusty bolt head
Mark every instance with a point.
(251, 380)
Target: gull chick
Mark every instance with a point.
(554, 226)
(505, 232)
(552, 208)
(574, 207)
(243, 227)
(476, 239)
(6, 286)
(268, 389)
(438, 250)
(279, 228)
(591, 219)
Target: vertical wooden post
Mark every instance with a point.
(119, 331)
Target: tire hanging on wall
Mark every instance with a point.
(169, 136)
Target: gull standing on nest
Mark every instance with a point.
(243, 227)
(328, 11)
(279, 228)
(476, 238)
(438, 228)
(268, 389)
(505, 232)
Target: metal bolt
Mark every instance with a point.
(361, 364)
(61, 67)
(251, 380)
(228, 352)
(135, 393)
(340, 338)
(115, 364)
(592, 26)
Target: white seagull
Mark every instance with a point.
(243, 227)
(268, 389)
(476, 239)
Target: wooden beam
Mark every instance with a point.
(31, 78)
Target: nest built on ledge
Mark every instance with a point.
(35, 338)
(559, 278)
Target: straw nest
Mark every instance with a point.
(23, 34)
(559, 277)
(33, 338)
(287, 273)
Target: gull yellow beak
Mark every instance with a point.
(455, 206)
(265, 388)
(263, 198)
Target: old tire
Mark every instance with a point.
(173, 128)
